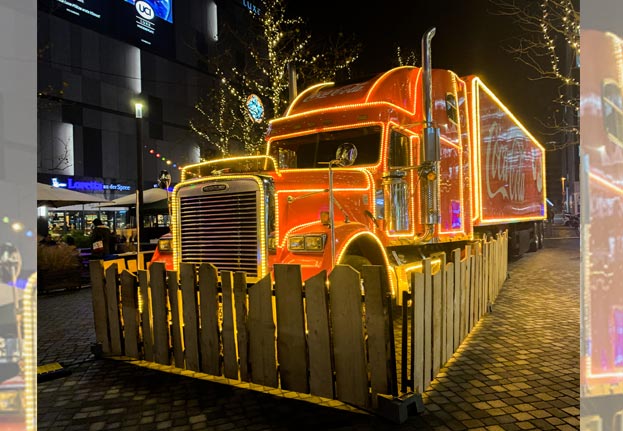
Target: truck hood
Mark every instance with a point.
(302, 195)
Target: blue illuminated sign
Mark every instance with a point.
(151, 8)
(89, 186)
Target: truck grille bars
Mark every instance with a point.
(219, 225)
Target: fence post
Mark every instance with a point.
(417, 331)
(240, 302)
(176, 318)
(428, 323)
(230, 355)
(291, 343)
(96, 271)
(188, 283)
(210, 338)
(114, 309)
(349, 350)
(377, 325)
(159, 311)
(146, 316)
(458, 292)
(129, 309)
(319, 337)
(262, 334)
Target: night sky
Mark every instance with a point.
(470, 39)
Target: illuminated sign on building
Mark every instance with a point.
(144, 23)
(252, 8)
(90, 186)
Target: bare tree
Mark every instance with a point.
(550, 46)
(277, 41)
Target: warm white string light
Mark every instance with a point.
(222, 118)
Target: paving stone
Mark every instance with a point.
(517, 370)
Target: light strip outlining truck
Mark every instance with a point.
(386, 171)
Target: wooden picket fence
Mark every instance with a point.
(446, 304)
(335, 342)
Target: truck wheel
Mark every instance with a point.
(541, 234)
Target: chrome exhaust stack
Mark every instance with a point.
(430, 150)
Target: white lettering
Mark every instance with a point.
(504, 163)
(145, 10)
(348, 89)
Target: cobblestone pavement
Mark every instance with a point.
(517, 370)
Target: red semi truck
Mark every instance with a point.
(385, 171)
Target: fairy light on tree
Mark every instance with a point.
(550, 46)
(222, 121)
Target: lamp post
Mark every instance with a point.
(138, 111)
(564, 195)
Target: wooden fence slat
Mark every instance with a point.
(428, 323)
(486, 288)
(262, 355)
(456, 333)
(230, 355)
(114, 310)
(438, 319)
(449, 295)
(146, 317)
(417, 357)
(473, 293)
(377, 326)
(129, 310)
(177, 340)
(291, 344)
(349, 351)
(480, 287)
(209, 305)
(240, 303)
(188, 283)
(159, 310)
(319, 337)
(96, 273)
(465, 271)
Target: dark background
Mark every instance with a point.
(470, 39)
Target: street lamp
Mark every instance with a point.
(564, 195)
(138, 114)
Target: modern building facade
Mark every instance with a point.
(96, 61)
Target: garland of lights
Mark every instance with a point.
(223, 116)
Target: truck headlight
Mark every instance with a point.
(165, 245)
(296, 243)
(272, 243)
(311, 242)
(314, 242)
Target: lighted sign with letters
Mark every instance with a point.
(89, 186)
(154, 8)
(147, 24)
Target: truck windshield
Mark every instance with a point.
(318, 149)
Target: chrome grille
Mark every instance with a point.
(221, 228)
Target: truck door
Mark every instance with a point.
(398, 186)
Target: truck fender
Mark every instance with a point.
(358, 246)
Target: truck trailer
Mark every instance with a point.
(385, 172)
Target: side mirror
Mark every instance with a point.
(164, 180)
(345, 155)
